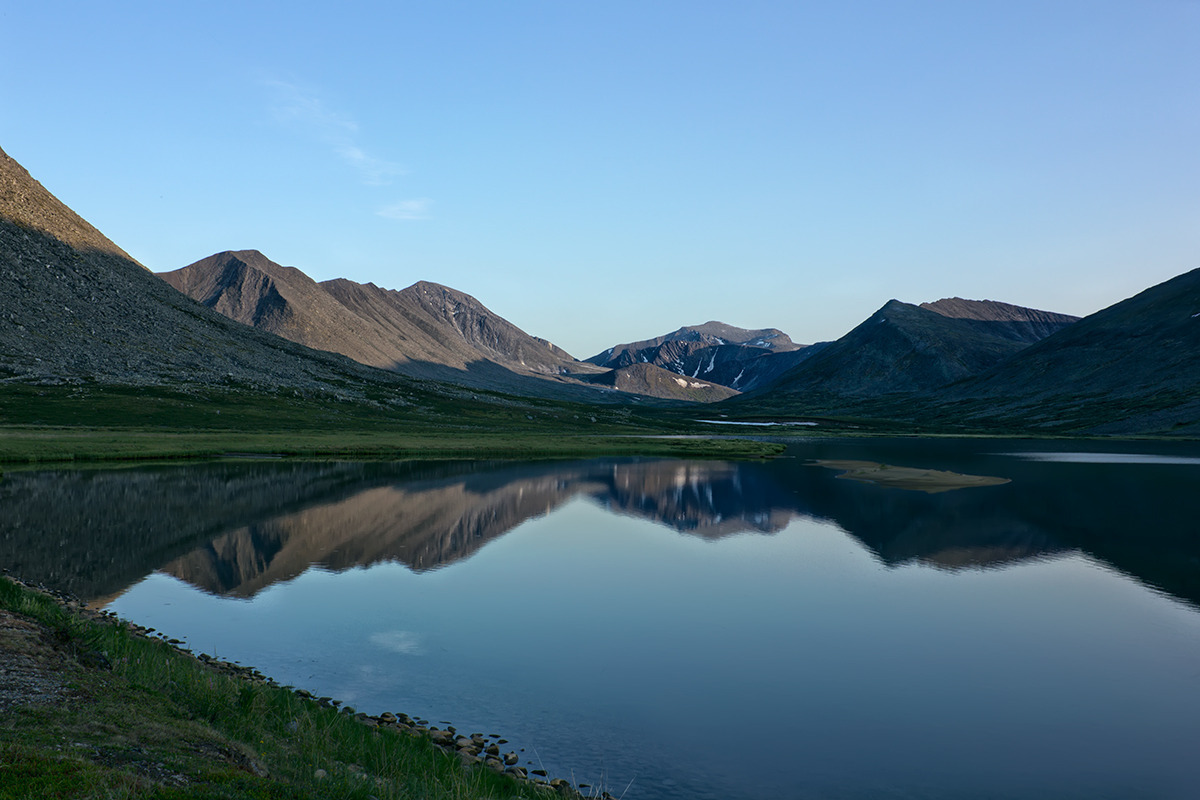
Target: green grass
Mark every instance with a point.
(41, 424)
(41, 445)
(158, 723)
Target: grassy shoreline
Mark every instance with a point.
(48, 445)
(45, 424)
(118, 713)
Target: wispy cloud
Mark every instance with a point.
(293, 107)
(407, 209)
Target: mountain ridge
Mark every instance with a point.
(426, 330)
(737, 358)
(899, 348)
(74, 307)
(1018, 323)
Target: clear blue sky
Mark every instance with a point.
(605, 171)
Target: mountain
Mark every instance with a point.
(1133, 367)
(442, 319)
(653, 381)
(74, 307)
(715, 352)
(709, 334)
(426, 330)
(1018, 323)
(899, 348)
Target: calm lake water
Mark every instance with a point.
(687, 629)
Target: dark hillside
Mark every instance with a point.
(1132, 367)
(900, 348)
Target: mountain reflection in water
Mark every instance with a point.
(237, 528)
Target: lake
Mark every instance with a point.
(858, 619)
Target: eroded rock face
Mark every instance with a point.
(425, 330)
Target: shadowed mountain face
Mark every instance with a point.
(1133, 367)
(899, 348)
(714, 353)
(237, 528)
(426, 330)
(75, 306)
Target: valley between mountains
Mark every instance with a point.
(78, 312)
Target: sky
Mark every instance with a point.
(604, 172)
